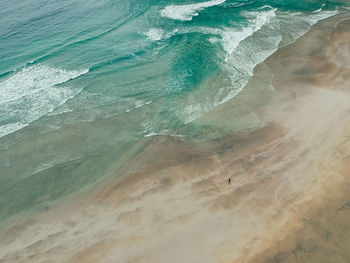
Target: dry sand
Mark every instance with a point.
(288, 201)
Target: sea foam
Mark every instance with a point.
(155, 34)
(232, 37)
(32, 92)
(251, 45)
(187, 12)
(242, 59)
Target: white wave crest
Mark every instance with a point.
(31, 93)
(186, 12)
(155, 34)
(232, 38)
(297, 24)
(248, 47)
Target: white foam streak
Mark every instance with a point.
(250, 46)
(298, 24)
(155, 34)
(33, 79)
(10, 128)
(31, 93)
(232, 38)
(186, 12)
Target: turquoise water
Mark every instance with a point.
(82, 81)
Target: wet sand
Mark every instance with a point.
(289, 164)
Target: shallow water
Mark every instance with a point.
(82, 82)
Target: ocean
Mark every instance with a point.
(83, 82)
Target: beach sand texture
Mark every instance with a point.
(289, 195)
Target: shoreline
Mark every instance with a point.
(282, 163)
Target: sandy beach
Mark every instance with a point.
(275, 188)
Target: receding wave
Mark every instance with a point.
(232, 37)
(246, 48)
(32, 92)
(186, 12)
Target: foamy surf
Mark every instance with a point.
(302, 23)
(187, 12)
(244, 52)
(155, 34)
(231, 37)
(31, 93)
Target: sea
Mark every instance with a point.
(83, 82)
